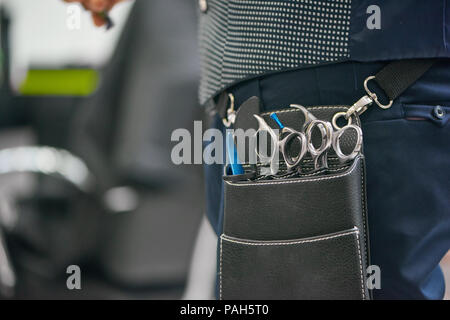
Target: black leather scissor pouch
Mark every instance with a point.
(299, 236)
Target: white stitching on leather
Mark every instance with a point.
(337, 169)
(325, 170)
(355, 230)
(363, 208)
(331, 158)
(363, 293)
(297, 110)
(364, 204)
(220, 271)
(295, 181)
(358, 122)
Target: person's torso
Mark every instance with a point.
(241, 39)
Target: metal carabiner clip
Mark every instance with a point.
(366, 101)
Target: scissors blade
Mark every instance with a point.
(309, 117)
(272, 159)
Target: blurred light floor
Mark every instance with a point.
(445, 264)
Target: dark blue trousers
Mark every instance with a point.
(407, 149)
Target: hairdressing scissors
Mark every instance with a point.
(263, 154)
(329, 139)
(319, 155)
(287, 136)
(281, 142)
(284, 140)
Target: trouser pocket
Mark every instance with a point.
(323, 267)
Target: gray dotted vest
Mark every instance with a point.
(244, 38)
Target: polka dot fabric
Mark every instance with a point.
(244, 38)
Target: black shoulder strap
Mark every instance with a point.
(393, 79)
(397, 76)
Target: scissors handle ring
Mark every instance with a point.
(326, 132)
(292, 162)
(337, 147)
(319, 155)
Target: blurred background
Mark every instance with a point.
(86, 178)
